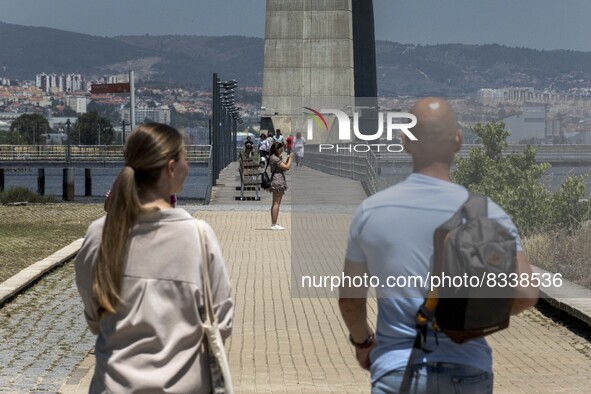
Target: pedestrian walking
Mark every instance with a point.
(248, 146)
(289, 143)
(263, 152)
(391, 236)
(278, 181)
(269, 141)
(138, 273)
(278, 136)
(298, 146)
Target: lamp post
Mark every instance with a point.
(215, 128)
(68, 173)
(68, 129)
(123, 124)
(223, 125)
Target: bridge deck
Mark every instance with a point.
(285, 344)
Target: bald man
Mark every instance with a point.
(391, 237)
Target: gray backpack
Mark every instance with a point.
(480, 249)
(471, 246)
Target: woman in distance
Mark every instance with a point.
(263, 145)
(278, 182)
(298, 147)
(139, 276)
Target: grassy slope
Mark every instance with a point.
(30, 233)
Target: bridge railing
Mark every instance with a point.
(545, 153)
(85, 153)
(367, 166)
(209, 173)
(361, 166)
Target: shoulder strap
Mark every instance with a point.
(275, 170)
(405, 385)
(207, 298)
(475, 206)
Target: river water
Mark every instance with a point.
(552, 178)
(102, 178)
(197, 181)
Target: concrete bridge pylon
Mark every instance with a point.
(311, 47)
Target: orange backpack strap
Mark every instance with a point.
(426, 312)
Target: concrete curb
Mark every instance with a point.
(81, 377)
(11, 287)
(569, 297)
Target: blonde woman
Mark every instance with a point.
(138, 273)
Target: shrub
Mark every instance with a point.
(20, 194)
(513, 181)
(561, 252)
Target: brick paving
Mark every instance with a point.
(285, 344)
(43, 335)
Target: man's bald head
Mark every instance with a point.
(437, 131)
(436, 119)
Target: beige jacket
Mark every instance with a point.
(154, 342)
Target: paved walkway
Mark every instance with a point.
(43, 336)
(285, 344)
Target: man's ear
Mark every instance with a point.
(459, 138)
(405, 141)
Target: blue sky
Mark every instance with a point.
(540, 24)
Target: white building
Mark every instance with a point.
(59, 123)
(51, 83)
(159, 114)
(490, 97)
(530, 123)
(77, 103)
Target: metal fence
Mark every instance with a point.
(553, 154)
(224, 125)
(374, 169)
(361, 166)
(86, 153)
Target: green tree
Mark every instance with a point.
(93, 129)
(69, 112)
(513, 181)
(9, 138)
(29, 129)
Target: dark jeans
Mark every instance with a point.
(438, 378)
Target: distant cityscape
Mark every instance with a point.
(60, 97)
(533, 116)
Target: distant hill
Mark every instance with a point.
(458, 69)
(26, 51)
(196, 58)
(403, 69)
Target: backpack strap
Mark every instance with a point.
(273, 174)
(425, 315)
(475, 206)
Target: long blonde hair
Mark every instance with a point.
(147, 151)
